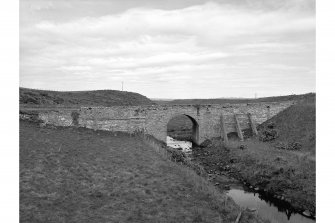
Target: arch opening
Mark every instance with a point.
(183, 128)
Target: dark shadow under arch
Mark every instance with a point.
(195, 127)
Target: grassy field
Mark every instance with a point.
(42, 98)
(80, 175)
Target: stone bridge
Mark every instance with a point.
(208, 120)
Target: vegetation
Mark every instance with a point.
(42, 98)
(70, 174)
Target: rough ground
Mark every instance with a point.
(79, 175)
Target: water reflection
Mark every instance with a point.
(185, 146)
(265, 208)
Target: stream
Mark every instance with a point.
(245, 198)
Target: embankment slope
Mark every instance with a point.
(296, 124)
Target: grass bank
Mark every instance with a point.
(295, 124)
(80, 175)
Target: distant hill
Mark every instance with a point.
(43, 98)
(308, 96)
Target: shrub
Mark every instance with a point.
(268, 135)
(206, 143)
(289, 146)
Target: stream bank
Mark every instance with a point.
(285, 178)
(247, 189)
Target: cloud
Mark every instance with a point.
(42, 6)
(201, 21)
(150, 45)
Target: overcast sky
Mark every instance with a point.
(169, 49)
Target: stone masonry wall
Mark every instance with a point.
(153, 119)
(56, 117)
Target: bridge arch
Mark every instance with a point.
(195, 126)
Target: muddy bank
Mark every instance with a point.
(279, 176)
